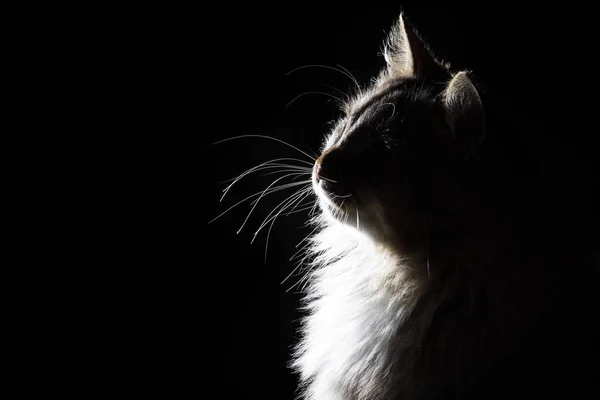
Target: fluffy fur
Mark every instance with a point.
(356, 303)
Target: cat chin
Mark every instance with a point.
(364, 220)
(344, 214)
(365, 214)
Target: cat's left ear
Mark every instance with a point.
(464, 114)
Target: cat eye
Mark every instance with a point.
(388, 136)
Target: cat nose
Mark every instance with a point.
(331, 174)
(327, 167)
(318, 170)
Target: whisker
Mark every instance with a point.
(281, 206)
(303, 208)
(275, 162)
(236, 180)
(263, 137)
(336, 89)
(299, 172)
(349, 74)
(267, 219)
(342, 212)
(274, 165)
(267, 240)
(315, 154)
(305, 278)
(298, 265)
(261, 196)
(329, 180)
(340, 101)
(340, 196)
(340, 70)
(275, 189)
(272, 224)
(314, 209)
(257, 168)
(297, 254)
(307, 236)
(299, 209)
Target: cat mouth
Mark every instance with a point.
(334, 191)
(338, 200)
(336, 194)
(342, 207)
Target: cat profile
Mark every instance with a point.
(426, 277)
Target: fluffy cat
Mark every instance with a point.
(431, 272)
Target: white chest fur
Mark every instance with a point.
(356, 306)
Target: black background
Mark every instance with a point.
(537, 62)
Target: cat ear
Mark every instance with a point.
(464, 113)
(405, 53)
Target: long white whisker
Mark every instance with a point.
(343, 213)
(350, 74)
(233, 181)
(273, 223)
(307, 193)
(271, 163)
(275, 189)
(256, 168)
(347, 74)
(297, 253)
(272, 166)
(299, 172)
(290, 198)
(304, 278)
(264, 137)
(299, 263)
(314, 209)
(340, 101)
(307, 236)
(342, 196)
(288, 202)
(261, 196)
(329, 180)
(305, 208)
(336, 89)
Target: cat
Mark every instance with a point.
(431, 272)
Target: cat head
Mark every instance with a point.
(397, 139)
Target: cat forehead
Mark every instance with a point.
(375, 107)
(383, 98)
(364, 98)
